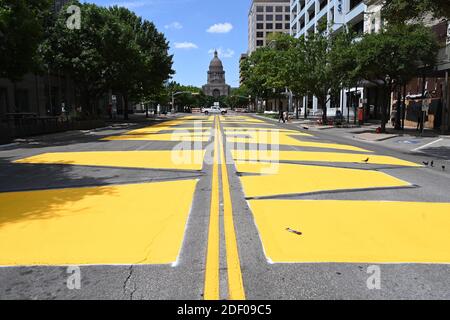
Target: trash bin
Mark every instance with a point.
(361, 115)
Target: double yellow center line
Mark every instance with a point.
(212, 275)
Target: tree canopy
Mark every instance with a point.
(324, 63)
(113, 49)
(21, 31)
(398, 11)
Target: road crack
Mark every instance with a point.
(128, 281)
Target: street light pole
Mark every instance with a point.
(174, 94)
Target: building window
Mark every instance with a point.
(294, 27)
(279, 26)
(358, 28)
(287, 26)
(269, 17)
(260, 34)
(260, 43)
(259, 9)
(287, 9)
(279, 9)
(287, 17)
(279, 17)
(260, 26)
(269, 26)
(259, 17)
(269, 9)
(354, 3)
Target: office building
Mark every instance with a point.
(265, 18)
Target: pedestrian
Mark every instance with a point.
(420, 120)
(281, 116)
(109, 110)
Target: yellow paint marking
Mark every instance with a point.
(243, 121)
(159, 137)
(296, 179)
(126, 224)
(212, 255)
(353, 231)
(284, 139)
(233, 130)
(173, 129)
(203, 118)
(158, 159)
(235, 282)
(318, 157)
(267, 136)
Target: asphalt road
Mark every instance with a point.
(322, 216)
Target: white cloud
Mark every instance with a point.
(174, 25)
(185, 45)
(227, 53)
(220, 28)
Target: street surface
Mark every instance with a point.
(224, 207)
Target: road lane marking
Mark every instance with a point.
(288, 179)
(341, 231)
(427, 145)
(211, 290)
(306, 156)
(235, 283)
(156, 159)
(160, 137)
(109, 225)
(287, 139)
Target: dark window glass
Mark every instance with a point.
(287, 26)
(260, 26)
(279, 9)
(269, 17)
(269, 25)
(279, 26)
(260, 34)
(260, 43)
(259, 17)
(269, 9)
(279, 17)
(259, 9)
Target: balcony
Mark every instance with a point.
(355, 3)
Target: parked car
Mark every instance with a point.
(214, 110)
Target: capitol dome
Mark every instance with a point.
(216, 63)
(216, 86)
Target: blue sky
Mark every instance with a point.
(194, 28)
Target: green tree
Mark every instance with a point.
(80, 53)
(137, 56)
(113, 49)
(398, 11)
(394, 56)
(21, 31)
(326, 65)
(238, 98)
(254, 74)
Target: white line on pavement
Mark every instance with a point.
(427, 145)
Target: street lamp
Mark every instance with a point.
(243, 97)
(174, 94)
